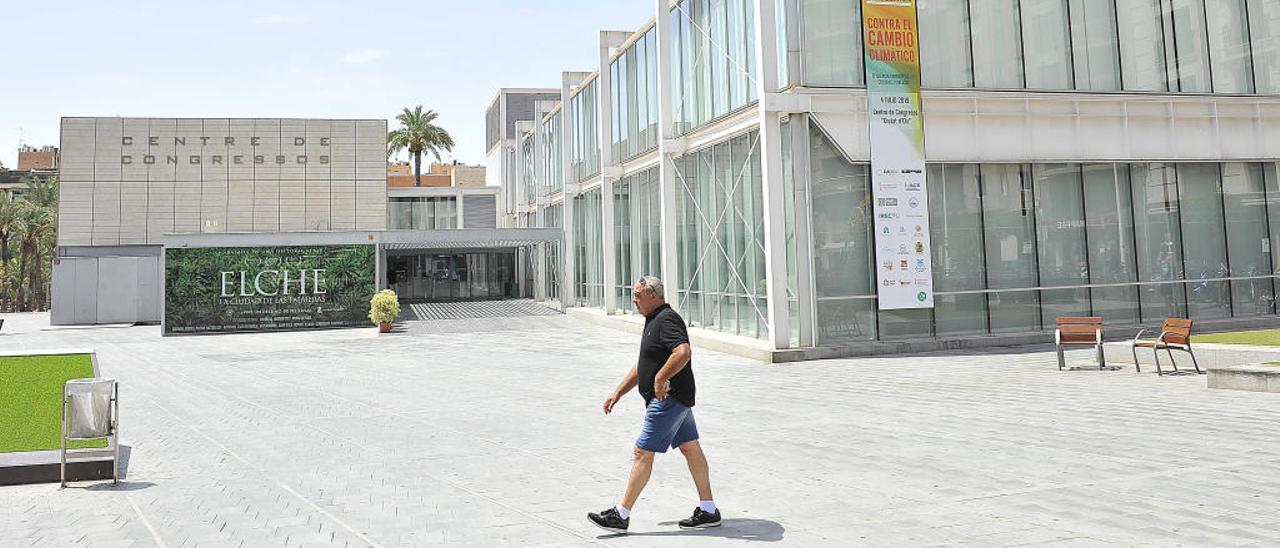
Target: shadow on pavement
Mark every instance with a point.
(742, 529)
(124, 486)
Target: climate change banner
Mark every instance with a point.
(904, 270)
(231, 289)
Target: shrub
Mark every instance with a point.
(384, 307)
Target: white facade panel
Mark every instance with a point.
(127, 181)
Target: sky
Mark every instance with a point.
(289, 59)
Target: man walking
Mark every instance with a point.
(664, 374)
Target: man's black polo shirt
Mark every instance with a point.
(663, 331)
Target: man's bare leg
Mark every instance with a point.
(641, 468)
(697, 468)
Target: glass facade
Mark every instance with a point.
(583, 114)
(1193, 46)
(713, 61)
(422, 213)
(720, 227)
(588, 276)
(637, 232)
(634, 75)
(446, 276)
(1017, 245)
(552, 156)
(831, 54)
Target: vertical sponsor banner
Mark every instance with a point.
(904, 270)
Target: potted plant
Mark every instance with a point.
(384, 307)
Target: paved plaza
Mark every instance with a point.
(488, 432)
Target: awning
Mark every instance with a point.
(482, 238)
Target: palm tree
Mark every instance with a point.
(42, 191)
(8, 226)
(35, 223)
(418, 134)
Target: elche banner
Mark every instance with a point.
(904, 270)
(278, 288)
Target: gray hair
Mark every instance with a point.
(652, 283)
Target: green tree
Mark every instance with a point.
(28, 243)
(418, 134)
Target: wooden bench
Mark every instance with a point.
(1079, 331)
(1175, 334)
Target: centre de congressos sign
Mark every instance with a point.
(236, 289)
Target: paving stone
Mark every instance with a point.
(487, 431)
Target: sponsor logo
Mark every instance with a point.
(902, 249)
(886, 230)
(919, 247)
(887, 216)
(919, 265)
(902, 264)
(914, 202)
(919, 230)
(902, 230)
(921, 296)
(886, 202)
(913, 187)
(888, 265)
(923, 281)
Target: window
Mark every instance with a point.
(1142, 57)
(832, 53)
(1046, 34)
(945, 60)
(1095, 45)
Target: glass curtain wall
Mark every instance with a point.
(1264, 44)
(553, 217)
(1195, 46)
(1046, 34)
(1061, 240)
(422, 213)
(1108, 208)
(719, 209)
(585, 161)
(946, 60)
(843, 246)
(1015, 246)
(959, 273)
(997, 54)
(637, 231)
(712, 60)
(831, 54)
(1248, 241)
(1204, 240)
(528, 173)
(552, 157)
(1228, 27)
(1095, 44)
(589, 250)
(635, 98)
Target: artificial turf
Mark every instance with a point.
(31, 400)
(1264, 337)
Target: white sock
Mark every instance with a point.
(708, 506)
(623, 511)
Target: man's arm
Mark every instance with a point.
(628, 384)
(675, 364)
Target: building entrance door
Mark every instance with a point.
(452, 276)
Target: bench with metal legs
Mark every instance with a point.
(1079, 331)
(1175, 334)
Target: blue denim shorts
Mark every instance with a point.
(667, 424)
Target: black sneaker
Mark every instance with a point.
(701, 519)
(609, 520)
